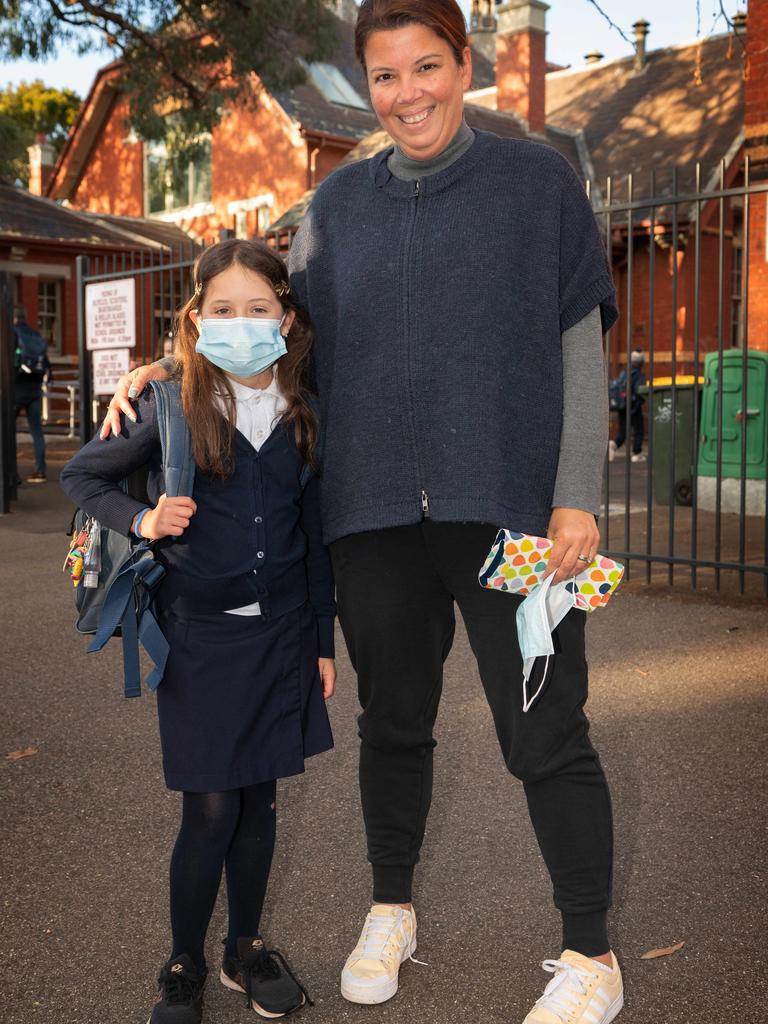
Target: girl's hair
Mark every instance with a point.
(444, 17)
(202, 382)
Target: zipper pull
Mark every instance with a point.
(418, 187)
(425, 504)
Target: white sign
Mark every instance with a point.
(109, 366)
(110, 314)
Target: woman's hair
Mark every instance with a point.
(202, 382)
(444, 17)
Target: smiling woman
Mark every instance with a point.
(418, 64)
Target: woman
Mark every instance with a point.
(457, 285)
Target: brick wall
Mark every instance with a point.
(113, 179)
(756, 143)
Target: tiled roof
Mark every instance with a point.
(28, 217)
(656, 118)
(508, 126)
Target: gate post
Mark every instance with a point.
(81, 270)
(7, 403)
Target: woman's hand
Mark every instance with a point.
(129, 386)
(327, 669)
(169, 518)
(574, 533)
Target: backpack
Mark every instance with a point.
(31, 351)
(125, 570)
(617, 393)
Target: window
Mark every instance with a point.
(334, 86)
(49, 311)
(175, 182)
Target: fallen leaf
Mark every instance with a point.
(16, 755)
(640, 671)
(665, 951)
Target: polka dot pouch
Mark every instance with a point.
(517, 561)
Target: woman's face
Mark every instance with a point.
(417, 88)
(238, 291)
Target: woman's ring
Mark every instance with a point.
(584, 558)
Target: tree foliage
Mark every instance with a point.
(188, 58)
(26, 110)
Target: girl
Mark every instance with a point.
(246, 606)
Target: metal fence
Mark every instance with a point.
(680, 247)
(163, 284)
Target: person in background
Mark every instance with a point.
(32, 368)
(636, 403)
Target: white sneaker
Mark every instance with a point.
(582, 991)
(612, 449)
(639, 457)
(387, 939)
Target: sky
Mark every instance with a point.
(575, 28)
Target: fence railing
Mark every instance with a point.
(682, 255)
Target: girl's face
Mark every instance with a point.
(238, 291)
(417, 88)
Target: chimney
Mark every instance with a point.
(482, 28)
(740, 23)
(42, 157)
(594, 58)
(521, 64)
(641, 34)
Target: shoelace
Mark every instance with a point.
(562, 994)
(377, 933)
(179, 989)
(263, 966)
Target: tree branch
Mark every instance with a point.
(613, 25)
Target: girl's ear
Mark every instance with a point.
(290, 316)
(194, 316)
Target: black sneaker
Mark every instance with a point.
(270, 987)
(180, 996)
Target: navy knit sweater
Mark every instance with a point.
(438, 308)
(255, 536)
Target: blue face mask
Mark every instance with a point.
(538, 615)
(241, 345)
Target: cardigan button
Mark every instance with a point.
(259, 554)
(258, 519)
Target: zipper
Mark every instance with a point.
(409, 237)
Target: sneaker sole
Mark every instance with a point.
(227, 982)
(614, 1009)
(370, 996)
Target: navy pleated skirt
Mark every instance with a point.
(241, 700)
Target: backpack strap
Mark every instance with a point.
(136, 622)
(175, 439)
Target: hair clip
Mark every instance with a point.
(282, 289)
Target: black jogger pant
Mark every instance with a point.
(396, 590)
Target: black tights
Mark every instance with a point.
(235, 828)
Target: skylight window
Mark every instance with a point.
(334, 86)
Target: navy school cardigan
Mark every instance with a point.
(438, 308)
(256, 535)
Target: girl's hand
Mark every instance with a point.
(327, 669)
(574, 533)
(169, 518)
(129, 386)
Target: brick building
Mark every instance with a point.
(39, 243)
(256, 163)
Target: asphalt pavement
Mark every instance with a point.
(679, 695)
